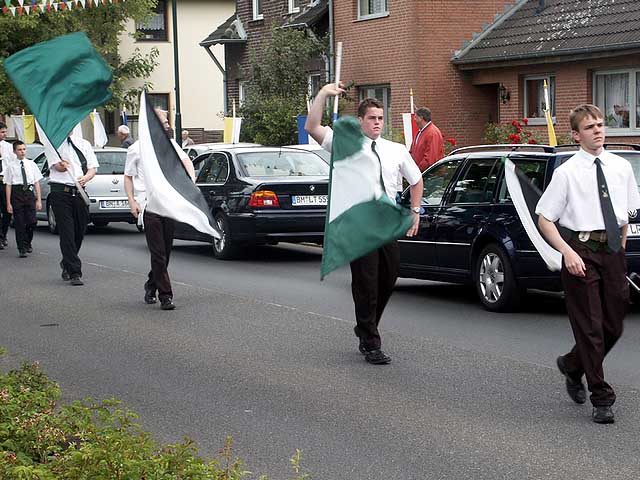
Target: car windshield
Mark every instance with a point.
(282, 164)
(111, 162)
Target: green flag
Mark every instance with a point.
(360, 216)
(62, 80)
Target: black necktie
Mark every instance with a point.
(373, 148)
(24, 175)
(610, 222)
(81, 157)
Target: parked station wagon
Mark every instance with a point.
(470, 231)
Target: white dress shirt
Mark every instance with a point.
(6, 155)
(395, 159)
(13, 173)
(133, 169)
(572, 197)
(68, 153)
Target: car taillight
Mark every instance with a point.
(264, 198)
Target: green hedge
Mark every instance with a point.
(89, 440)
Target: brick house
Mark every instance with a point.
(587, 52)
(244, 34)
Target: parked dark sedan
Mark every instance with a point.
(261, 195)
(470, 231)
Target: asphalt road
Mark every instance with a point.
(261, 350)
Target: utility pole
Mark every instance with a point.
(174, 14)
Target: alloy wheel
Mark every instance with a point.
(491, 277)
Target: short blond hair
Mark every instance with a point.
(581, 112)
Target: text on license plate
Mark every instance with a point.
(634, 230)
(308, 200)
(114, 204)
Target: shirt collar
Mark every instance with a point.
(588, 160)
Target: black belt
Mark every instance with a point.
(18, 187)
(61, 187)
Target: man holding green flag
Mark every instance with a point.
(62, 80)
(363, 220)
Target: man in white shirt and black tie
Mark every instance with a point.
(22, 189)
(590, 195)
(6, 155)
(76, 161)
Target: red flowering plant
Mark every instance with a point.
(449, 145)
(515, 131)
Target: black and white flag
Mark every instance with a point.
(525, 197)
(170, 191)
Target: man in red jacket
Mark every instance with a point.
(428, 146)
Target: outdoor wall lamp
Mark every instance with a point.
(505, 96)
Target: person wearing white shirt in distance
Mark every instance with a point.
(6, 155)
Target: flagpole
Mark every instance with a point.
(411, 99)
(547, 114)
(174, 15)
(338, 69)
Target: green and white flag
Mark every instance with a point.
(360, 215)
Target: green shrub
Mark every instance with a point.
(89, 440)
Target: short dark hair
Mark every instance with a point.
(17, 143)
(424, 113)
(368, 103)
(581, 112)
(3, 125)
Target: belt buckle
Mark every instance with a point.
(584, 236)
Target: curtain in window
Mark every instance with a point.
(369, 7)
(637, 99)
(612, 96)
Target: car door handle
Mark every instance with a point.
(478, 217)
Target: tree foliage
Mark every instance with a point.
(103, 25)
(277, 89)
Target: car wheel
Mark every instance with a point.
(223, 249)
(100, 223)
(494, 279)
(51, 219)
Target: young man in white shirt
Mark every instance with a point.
(76, 160)
(374, 275)
(6, 155)
(22, 189)
(590, 195)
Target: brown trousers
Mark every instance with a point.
(372, 280)
(597, 304)
(159, 234)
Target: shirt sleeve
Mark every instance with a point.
(408, 167)
(554, 199)
(8, 175)
(37, 175)
(89, 154)
(633, 197)
(131, 165)
(327, 141)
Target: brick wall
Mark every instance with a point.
(412, 48)
(574, 85)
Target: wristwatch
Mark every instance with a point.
(416, 210)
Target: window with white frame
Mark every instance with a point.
(315, 84)
(534, 98)
(372, 8)
(617, 93)
(257, 10)
(294, 6)
(381, 93)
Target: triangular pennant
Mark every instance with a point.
(7, 3)
(83, 3)
(13, 10)
(55, 6)
(27, 9)
(21, 2)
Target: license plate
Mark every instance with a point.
(634, 230)
(308, 200)
(108, 204)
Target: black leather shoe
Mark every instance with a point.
(29, 249)
(22, 254)
(362, 348)
(149, 297)
(575, 388)
(603, 415)
(167, 304)
(4, 241)
(65, 275)
(76, 280)
(377, 357)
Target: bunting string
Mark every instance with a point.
(32, 7)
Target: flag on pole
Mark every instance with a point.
(170, 191)
(100, 138)
(409, 125)
(124, 119)
(360, 215)
(547, 114)
(525, 196)
(72, 79)
(24, 127)
(231, 133)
